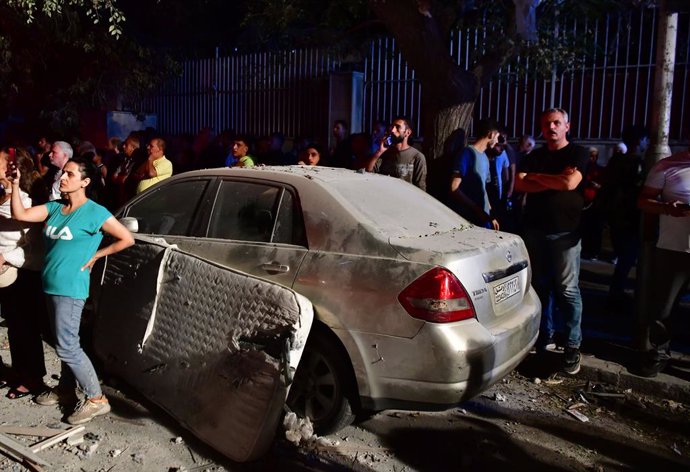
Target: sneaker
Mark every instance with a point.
(55, 396)
(89, 409)
(571, 360)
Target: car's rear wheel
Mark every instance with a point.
(323, 388)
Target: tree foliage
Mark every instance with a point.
(57, 59)
(96, 10)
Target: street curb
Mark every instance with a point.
(663, 385)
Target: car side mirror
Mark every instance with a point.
(132, 224)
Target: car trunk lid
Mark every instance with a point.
(492, 266)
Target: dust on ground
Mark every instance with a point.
(522, 423)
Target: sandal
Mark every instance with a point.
(15, 393)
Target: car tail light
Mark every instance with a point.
(437, 296)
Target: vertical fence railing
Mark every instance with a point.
(286, 91)
(257, 93)
(610, 89)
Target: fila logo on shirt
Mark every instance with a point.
(64, 233)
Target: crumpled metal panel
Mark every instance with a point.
(217, 350)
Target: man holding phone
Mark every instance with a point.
(396, 156)
(666, 193)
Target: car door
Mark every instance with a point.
(123, 288)
(255, 226)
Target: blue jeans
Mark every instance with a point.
(555, 260)
(65, 319)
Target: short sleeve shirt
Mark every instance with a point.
(71, 241)
(408, 165)
(473, 168)
(164, 169)
(555, 211)
(672, 176)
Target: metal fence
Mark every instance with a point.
(258, 93)
(611, 89)
(287, 91)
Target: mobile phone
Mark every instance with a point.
(388, 141)
(12, 163)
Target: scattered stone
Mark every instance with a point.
(536, 380)
(674, 405)
(75, 440)
(297, 429)
(115, 452)
(499, 397)
(675, 449)
(91, 449)
(177, 440)
(92, 437)
(137, 458)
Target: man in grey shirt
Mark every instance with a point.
(397, 158)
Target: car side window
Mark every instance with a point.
(247, 211)
(169, 210)
(289, 228)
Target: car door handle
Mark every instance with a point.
(275, 268)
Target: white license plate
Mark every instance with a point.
(506, 289)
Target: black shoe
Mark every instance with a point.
(571, 360)
(651, 364)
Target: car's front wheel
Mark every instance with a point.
(322, 388)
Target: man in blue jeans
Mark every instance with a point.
(552, 178)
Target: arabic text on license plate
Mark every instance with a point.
(506, 289)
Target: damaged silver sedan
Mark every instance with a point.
(413, 307)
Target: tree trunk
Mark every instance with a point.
(445, 122)
(449, 91)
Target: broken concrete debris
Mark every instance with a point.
(297, 429)
(300, 431)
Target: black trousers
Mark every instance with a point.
(24, 311)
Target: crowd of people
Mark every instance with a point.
(57, 199)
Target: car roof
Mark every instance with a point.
(389, 207)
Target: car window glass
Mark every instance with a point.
(169, 210)
(244, 211)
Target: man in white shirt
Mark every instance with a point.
(666, 193)
(60, 153)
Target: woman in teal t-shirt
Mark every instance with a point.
(72, 234)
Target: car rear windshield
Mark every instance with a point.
(397, 208)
